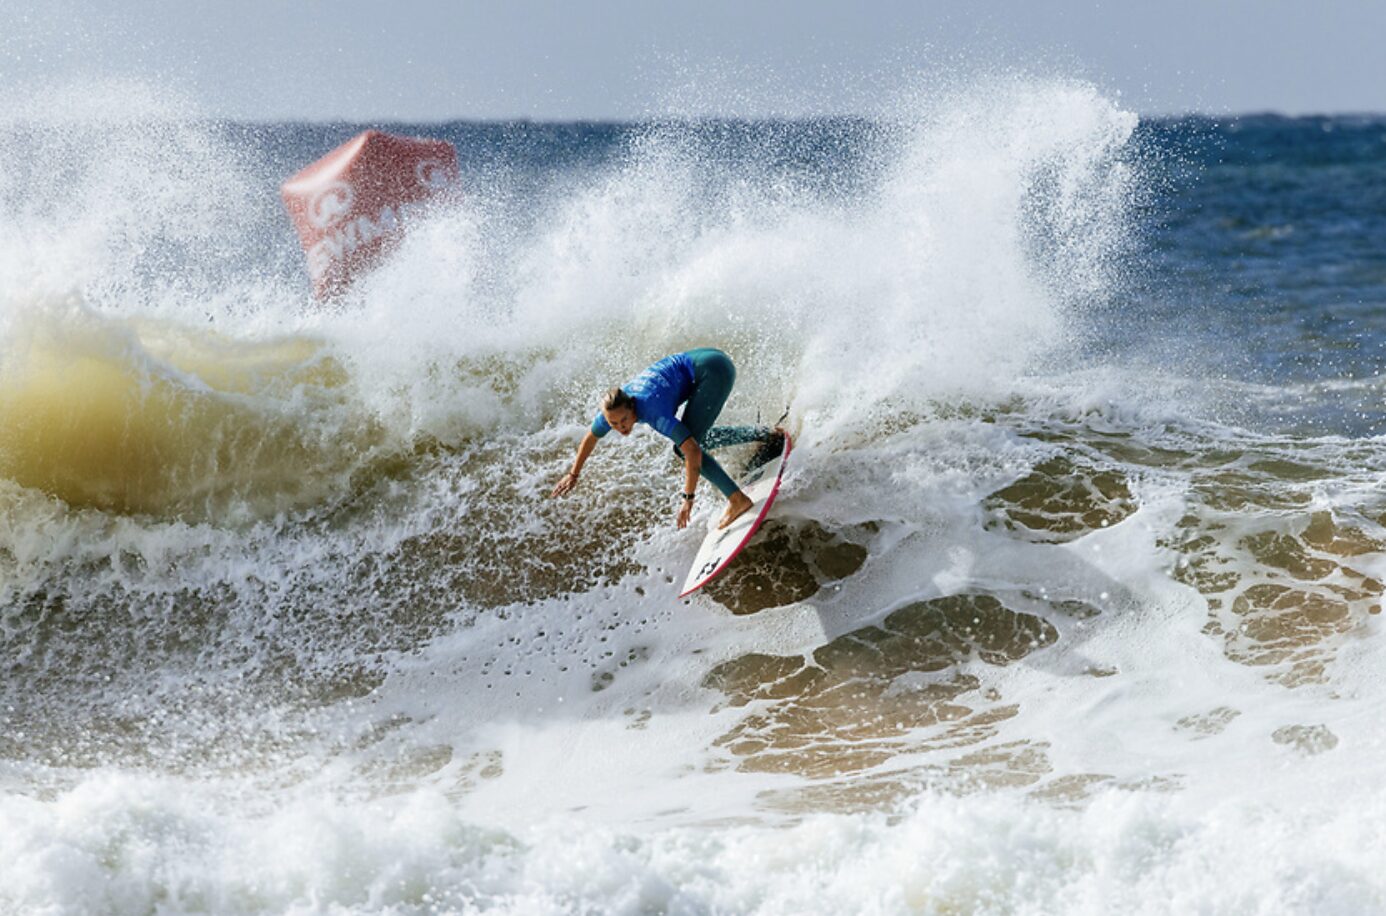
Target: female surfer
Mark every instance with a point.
(699, 379)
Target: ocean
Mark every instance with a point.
(1070, 602)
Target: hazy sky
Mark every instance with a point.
(427, 60)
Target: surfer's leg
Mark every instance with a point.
(712, 472)
(727, 436)
(713, 377)
(771, 442)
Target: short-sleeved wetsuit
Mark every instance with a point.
(699, 379)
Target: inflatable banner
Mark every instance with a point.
(350, 206)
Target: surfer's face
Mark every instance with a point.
(621, 419)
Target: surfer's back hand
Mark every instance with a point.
(565, 485)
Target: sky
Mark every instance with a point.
(427, 60)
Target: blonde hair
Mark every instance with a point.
(616, 399)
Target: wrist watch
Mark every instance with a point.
(688, 497)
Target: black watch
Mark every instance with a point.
(688, 497)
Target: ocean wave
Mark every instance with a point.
(289, 623)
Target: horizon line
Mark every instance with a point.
(734, 118)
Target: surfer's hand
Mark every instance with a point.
(685, 511)
(566, 485)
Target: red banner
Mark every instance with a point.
(351, 206)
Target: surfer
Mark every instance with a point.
(699, 379)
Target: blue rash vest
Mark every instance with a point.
(658, 392)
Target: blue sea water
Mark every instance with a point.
(1263, 249)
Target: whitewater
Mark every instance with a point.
(1063, 607)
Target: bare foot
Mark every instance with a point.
(737, 504)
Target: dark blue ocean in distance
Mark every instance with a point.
(1264, 246)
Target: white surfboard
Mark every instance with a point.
(720, 547)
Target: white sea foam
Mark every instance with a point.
(121, 844)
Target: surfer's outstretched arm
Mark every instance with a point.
(570, 479)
